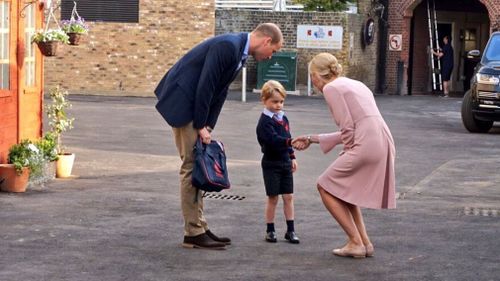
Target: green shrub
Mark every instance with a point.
(47, 146)
(59, 121)
(26, 154)
(324, 5)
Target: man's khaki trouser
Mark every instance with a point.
(194, 221)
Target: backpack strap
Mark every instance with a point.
(196, 195)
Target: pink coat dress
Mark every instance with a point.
(363, 174)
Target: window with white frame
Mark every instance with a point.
(29, 55)
(4, 45)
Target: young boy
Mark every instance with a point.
(278, 162)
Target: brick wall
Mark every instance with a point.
(130, 58)
(354, 61)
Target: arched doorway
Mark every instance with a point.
(467, 24)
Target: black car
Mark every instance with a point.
(481, 103)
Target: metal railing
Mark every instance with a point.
(268, 5)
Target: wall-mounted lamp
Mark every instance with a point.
(377, 10)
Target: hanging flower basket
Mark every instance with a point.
(74, 38)
(49, 49)
(48, 41)
(75, 27)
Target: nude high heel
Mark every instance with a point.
(357, 253)
(369, 250)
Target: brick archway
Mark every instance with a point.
(492, 6)
(400, 15)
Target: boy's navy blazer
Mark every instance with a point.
(195, 88)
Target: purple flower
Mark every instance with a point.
(73, 25)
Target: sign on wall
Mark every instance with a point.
(319, 37)
(395, 42)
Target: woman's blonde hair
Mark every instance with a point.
(271, 87)
(325, 65)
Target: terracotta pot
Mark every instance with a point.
(49, 49)
(74, 38)
(65, 165)
(10, 181)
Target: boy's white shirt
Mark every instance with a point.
(271, 114)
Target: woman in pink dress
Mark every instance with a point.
(363, 174)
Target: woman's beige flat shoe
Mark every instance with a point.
(369, 250)
(358, 253)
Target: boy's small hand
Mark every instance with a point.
(300, 143)
(294, 165)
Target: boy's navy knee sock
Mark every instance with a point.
(270, 227)
(289, 225)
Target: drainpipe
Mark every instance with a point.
(383, 26)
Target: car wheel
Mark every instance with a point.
(472, 124)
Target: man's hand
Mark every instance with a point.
(205, 135)
(438, 53)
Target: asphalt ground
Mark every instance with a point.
(120, 218)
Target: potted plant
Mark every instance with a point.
(23, 160)
(60, 122)
(75, 28)
(48, 41)
(48, 151)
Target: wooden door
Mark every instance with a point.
(30, 63)
(8, 77)
(21, 65)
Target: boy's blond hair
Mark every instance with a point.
(270, 87)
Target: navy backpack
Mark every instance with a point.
(210, 171)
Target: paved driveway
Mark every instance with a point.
(120, 220)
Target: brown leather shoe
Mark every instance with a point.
(214, 237)
(202, 241)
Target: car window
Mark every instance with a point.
(493, 49)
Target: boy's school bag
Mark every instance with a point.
(210, 170)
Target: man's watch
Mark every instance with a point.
(309, 139)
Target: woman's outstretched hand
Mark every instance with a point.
(301, 143)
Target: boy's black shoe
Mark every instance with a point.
(214, 237)
(202, 241)
(292, 237)
(271, 237)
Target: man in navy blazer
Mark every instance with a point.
(190, 98)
